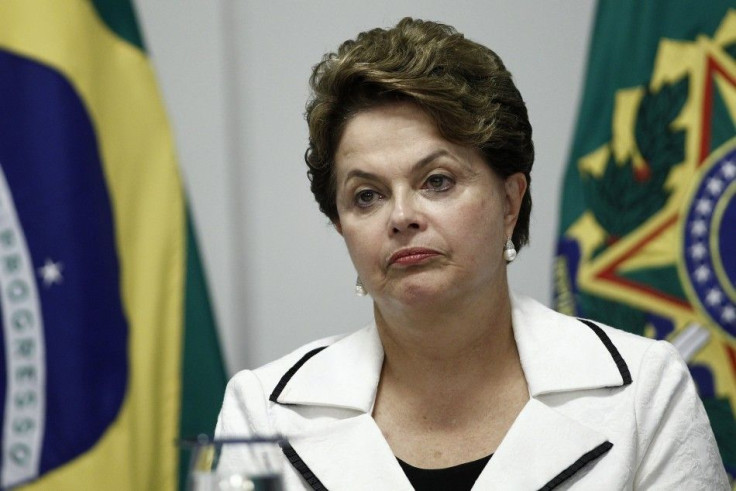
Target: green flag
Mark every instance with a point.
(647, 237)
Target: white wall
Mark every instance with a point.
(234, 77)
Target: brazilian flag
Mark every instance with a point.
(108, 353)
(647, 236)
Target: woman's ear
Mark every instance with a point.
(336, 224)
(515, 187)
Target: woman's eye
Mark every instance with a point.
(365, 197)
(439, 182)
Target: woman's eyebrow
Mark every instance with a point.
(418, 165)
(421, 163)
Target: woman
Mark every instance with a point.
(420, 154)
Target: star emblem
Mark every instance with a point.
(715, 186)
(699, 228)
(50, 273)
(704, 206)
(698, 251)
(729, 170)
(729, 314)
(714, 296)
(702, 274)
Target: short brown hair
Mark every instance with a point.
(462, 85)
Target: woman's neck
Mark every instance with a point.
(451, 385)
(449, 347)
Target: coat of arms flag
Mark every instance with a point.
(647, 236)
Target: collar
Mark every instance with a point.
(558, 354)
(344, 374)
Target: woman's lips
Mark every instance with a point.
(412, 256)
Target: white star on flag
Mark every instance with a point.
(704, 206)
(714, 185)
(714, 296)
(729, 314)
(729, 170)
(698, 251)
(702, 273)
(50, 272)
(698, 228)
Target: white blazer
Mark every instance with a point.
(608, 410)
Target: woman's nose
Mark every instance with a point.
(406, 215)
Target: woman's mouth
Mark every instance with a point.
(412, 256)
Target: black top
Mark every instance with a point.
(456, 478)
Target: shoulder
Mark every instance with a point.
(646, 402)
(271, 373)
(673, 427)
(245, 405)
(575, 332)
(560, 352)
(648, 359)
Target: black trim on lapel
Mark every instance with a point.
(579, 464)
(623, 368)
(290, 373)
(299, 464)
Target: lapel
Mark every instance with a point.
(350, 454)
(348, 451)
(343, 453)
(541, 449)
(343, 375)
(560, 353)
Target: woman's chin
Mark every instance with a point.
(418, 293)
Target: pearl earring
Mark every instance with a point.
(509, 251)
(359, 288)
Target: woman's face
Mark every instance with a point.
(424, 219)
